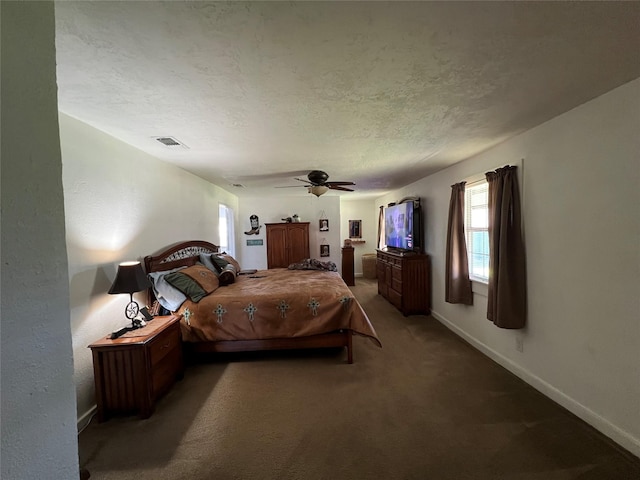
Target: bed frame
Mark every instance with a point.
(182, 254)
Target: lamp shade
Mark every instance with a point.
(129, 279)
(318, 190)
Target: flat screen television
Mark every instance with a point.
(403, 226)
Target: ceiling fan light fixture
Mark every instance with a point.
(318, 190)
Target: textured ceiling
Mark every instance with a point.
(380, 93)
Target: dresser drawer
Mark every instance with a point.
(396, 274)
(167, 342)
(395, 298)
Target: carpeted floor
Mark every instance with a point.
(425, 406)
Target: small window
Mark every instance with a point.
(476, 225)
(225, 230)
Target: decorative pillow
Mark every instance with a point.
(203, 276)
(205, 259)
(167, 295)
(228, 275)
(229, 259)
(213, 262)
(196, 281)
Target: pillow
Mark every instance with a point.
(205, 259)
(196, 281)
(213, 262)
(228, 275)
(219, 262)
(229, 259)
(167, 295)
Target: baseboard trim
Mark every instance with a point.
(85, 419)
(619, 436)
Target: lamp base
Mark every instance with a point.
(120, 332)
(136, 323)
(132, 309)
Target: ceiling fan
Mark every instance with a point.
(318, 185)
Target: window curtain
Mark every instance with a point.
(507, 277)
(457, 283)
(380, 226)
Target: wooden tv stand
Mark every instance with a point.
(403, 279)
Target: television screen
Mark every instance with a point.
(399, 223)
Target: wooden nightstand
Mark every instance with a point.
(133, 371)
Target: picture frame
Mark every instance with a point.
(325, 251)
(324, 224)
(355, 228)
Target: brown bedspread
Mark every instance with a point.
(276, 303)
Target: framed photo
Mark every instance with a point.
(355, 228)
(324, 224)
(324, 251)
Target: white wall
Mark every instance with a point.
(580, 182)
(272, 210)
(38, 396)
(121, 204)
(367, 211)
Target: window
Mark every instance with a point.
(476, 226)
(226, 231)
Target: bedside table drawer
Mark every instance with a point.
(166, 343)
(165, 373)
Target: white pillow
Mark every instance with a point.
(167, 295)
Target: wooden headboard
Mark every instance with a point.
(179, 255)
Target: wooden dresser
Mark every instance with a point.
(347, 266)
(287, 243)
(132, 372)
(404, 280)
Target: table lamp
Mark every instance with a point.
(130, 278)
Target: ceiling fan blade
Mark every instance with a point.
(340, 183)
(292, 186)
(302, 180)
(282, 176)
(337, 187)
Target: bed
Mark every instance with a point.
(273, 309)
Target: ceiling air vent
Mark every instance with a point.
(170, 142)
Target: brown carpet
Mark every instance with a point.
(426, 406)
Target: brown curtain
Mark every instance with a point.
(457, 283)
(507, 277)
(380, 223)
